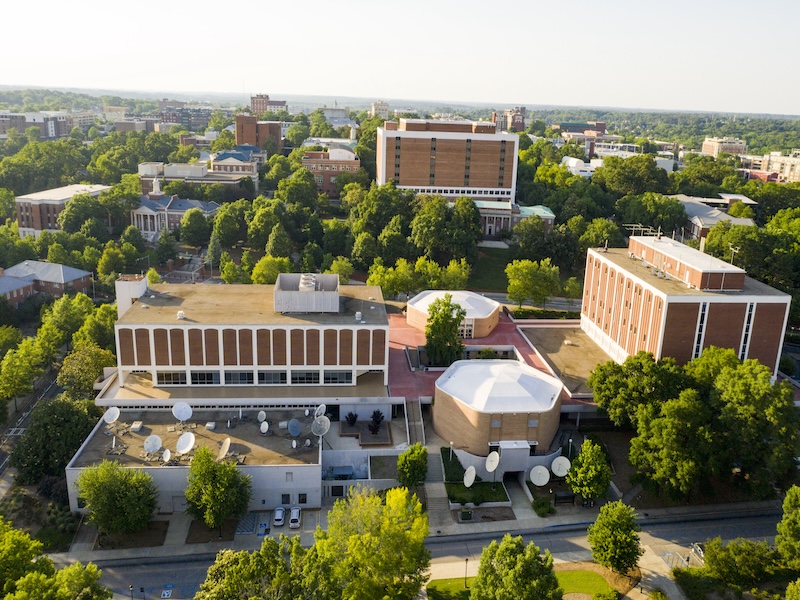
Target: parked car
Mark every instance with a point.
(278, 516)
(699, 550)
(294, 518)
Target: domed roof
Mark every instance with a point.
(477, 306)
(500, 386)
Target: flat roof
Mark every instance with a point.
(274, 448)
(500, 386)
(139, 389)
(65, 193)
(242, 304)
(477, 306)
(676, 287)
(687, 255)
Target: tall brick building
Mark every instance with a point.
(249, 130)
(39, 211)
(664, 297)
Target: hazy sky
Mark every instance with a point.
(719, 55)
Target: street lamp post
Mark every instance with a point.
(570, 448)
(451, 451)
(130, 587)
(466, 562)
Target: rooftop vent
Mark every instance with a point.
(181, 315)
(358, 315)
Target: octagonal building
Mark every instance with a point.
(482, 313)
(482, 403)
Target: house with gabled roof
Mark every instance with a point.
(46, 278)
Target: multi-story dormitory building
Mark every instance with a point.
(666, 298)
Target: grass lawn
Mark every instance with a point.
(480, 492)
(581, 582)
(489, 272)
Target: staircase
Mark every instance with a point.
(416, 429)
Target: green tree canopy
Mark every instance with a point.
(443, 344)
(119, 499)
(82, 367)
(412, 466)
(614, 538)
(788, 539)
(510, 569)
(590, 473)
(267, 269)
(216, 491)
(194, 228)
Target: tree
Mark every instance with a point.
(19, 369)
(216, 491)
(573, 289)
(82, 367)
(98, 328)
(166, 247)
(455, 275)
(111, 264)
(443, 345)
(590, 474)
(429, 224)
(153, 278)
(545, 282)
(194, 228)
(529, 238)
(520, 280)
(296, 134)
(365, 250)
(78, 210)
(793, 590)
(635, 175)
(279, 244)
(412, 466)
(225, 141)
(342, 267)
(788, 539)
(652, 210)
(56, 430)
(10, 337)
(374, 549)
(741, 562)
(118, 499)
(20, 555)
(268, 268)
(598, 233)
(510, 569)
(614, 538)
(132, 235)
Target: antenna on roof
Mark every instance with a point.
(734, 250)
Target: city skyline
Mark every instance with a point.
(715, 56)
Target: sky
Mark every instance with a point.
(702, 55)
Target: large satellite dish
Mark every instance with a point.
(492, 461)
(152, 443)
(223, 451)
(167, 455)
(540, 476)
(262, 416)
(111, 415)
(321, 425)
(185, 442)
(321, 409)
(182, 411)
(560, 466)
(469, 476)
(294, 428)
(264, 427)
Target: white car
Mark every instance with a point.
(294, 518)
(278, 516)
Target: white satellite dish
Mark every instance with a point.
(167, 455)
(560, 466)
(185, 442)
(492, 461)
(111, 415)
(262, 416)
(264, 427)
(182, 411)
(223, 451)
(321, 426)
(321, 410)
(540, 476)
(294, 443)
(152, 443)
(469, 476)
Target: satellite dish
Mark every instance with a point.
(185, 442)
(294, 443)
(152, 443)
(560, 466)
(492, 461)
(111, 415)
(321, 410)
(321, 426)
(167, 455)
(469, 476)
(223, 451)
(264, 427)
(262, 416)
(182, 411)
(540, 476)
(294, 428)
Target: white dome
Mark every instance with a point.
(477, 306)
(500, 386)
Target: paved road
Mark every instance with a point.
(183, 578)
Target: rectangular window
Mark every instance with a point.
(271, 377)
(286, 499)
(337, 491)
(496, 424)
(305, 377)
(338, 377)
(302, 498)
(171, 378)
(533, 422)
(238, 378)
(205, 378)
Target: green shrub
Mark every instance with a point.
(609, 595)
(658, 595)
(542, 313)
(543, 507)
(741, 563)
